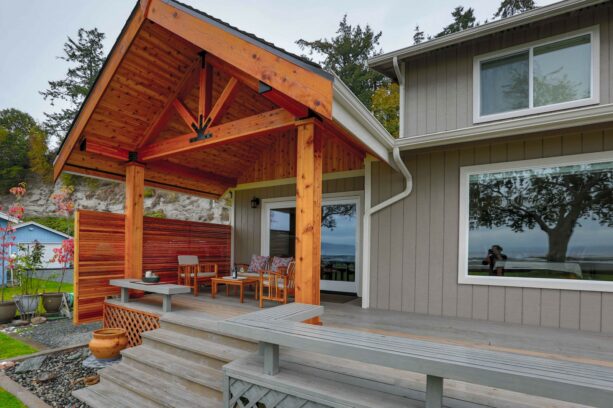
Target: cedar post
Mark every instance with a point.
(135, 188)
(308, 212)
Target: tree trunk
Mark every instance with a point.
(559, 238)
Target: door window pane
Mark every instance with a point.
(338, 242)
(552, 223)
(504, 84)
(282, 232)
(562, 71)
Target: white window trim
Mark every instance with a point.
(356, 197)
(466, 172)
(594, 31)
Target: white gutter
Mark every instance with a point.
(368, 210)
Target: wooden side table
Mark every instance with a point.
(239, 282)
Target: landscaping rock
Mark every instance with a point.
(59, 333)
(38, 320)
(31, 364)
(60, 374)
(93, 362)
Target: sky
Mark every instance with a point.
(34, 31)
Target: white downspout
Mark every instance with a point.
(368, 210)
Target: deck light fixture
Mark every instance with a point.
(255, 202)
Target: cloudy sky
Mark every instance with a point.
(34, 31)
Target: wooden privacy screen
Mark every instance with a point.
(99, 253)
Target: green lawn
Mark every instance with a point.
(43, 286)
(8, 400)
(10, 347)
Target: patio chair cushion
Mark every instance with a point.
(202, 275)
(249, 274)
(278, 262)
(188, 260)
(258, 262)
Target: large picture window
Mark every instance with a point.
(539, 223)
(557, 73)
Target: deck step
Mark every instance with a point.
(103, 395)
(191, 374)
(199, 350)
(204, 328)
(160, 391)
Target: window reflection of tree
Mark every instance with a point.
(516, 90)
(555, 201)
(553, 88)
(330, 212)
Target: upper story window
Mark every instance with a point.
(552, 74)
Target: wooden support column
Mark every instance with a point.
(308, 212)
(135, 189)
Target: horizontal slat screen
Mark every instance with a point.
(99, 253)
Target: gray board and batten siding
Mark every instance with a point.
(414, 243)
(439, 84)
(247, 227)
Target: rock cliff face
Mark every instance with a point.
(97, 195)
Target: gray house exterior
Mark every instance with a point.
(411, 255)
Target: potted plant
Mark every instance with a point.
(27, 264)
(52, 301)
(8, 308)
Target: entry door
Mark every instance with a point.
(340, 235)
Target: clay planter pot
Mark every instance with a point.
(7, 311)
(52, 302)
(107, 343)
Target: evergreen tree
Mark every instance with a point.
(15, 128)
(419, 36)
(509, 8)
(85, 55)
(347, 54)
(461, 21)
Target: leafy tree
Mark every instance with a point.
(85, 54)
(15, 127)
(347, 54)
(385, 107)
(555, 201)
(418, 36)
(38, 154)
(509, 8)
(461, 21)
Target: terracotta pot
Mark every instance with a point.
(107, 343)
(52, 302)
(7, 311)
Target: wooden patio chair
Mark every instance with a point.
(252, 269)
(193, 273)
(277, 285)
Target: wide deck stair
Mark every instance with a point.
(178, 365)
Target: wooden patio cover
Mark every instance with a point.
(186, 102)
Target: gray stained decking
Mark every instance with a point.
(566, 345)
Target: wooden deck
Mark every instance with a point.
(345, 312)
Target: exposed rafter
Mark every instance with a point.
(111, 152)
(190, 173)
(162, 119)
(205, 87)
(263, 123)
(185, 114)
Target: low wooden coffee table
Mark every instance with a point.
(241, 282)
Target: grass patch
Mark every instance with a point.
(8, 400)
(44, 286)
(10, 347)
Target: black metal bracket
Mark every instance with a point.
(202, 54)
(83, 145)
(132, 157)
(200, 130)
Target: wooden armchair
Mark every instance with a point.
(277, 285)
(193, 273)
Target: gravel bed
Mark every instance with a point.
(58, 333)
(64, 372)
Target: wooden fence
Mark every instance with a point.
(99, 253)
